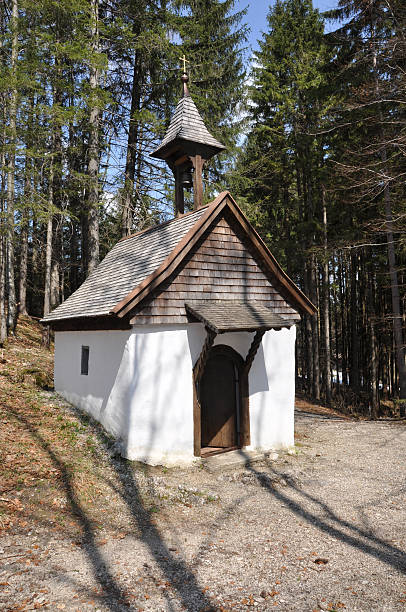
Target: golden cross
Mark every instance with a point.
(185, 61)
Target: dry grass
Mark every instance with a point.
(52, 461)
(304, 405)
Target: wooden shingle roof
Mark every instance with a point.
(187, 124)
(128, 263)
(138, 266)
(227, 315)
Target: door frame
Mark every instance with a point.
(243, 417)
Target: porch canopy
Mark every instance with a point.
(227, 316)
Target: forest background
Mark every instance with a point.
(314, 123)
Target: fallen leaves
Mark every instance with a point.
(14, 502)
(266, 594)
(320, 561)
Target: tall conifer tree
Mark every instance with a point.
(280, 170)
(370, 72)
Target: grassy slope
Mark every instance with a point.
(59, 468)
(52, 460)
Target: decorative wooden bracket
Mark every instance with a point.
(245, 435)
(198, 370)
(253, 350)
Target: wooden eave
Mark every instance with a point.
(222, 316)
(285, 285)
(180, 146)
(92, 323)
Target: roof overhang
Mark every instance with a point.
(87, 323)
(179, 146)
(223, 316)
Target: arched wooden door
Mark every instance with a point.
(220, 398)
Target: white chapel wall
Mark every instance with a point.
(140, 386)
(107, 351)
(272, 391)
(161, 396)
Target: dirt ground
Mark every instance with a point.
(82, 529)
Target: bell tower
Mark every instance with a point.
(186, 147)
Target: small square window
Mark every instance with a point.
(84, 363)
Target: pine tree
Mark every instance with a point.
(280, 171)
(370, 64)
(144, 52)
(88, 94)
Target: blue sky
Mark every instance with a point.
(258, 10)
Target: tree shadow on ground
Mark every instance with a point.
(332, 524)
(113, 596)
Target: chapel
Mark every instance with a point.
(182, 341)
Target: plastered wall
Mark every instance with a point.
(139, 386)
(271, 386)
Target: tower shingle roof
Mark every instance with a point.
(187, 124)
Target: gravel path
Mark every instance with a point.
(322, 529)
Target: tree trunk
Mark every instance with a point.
(373, 375)
(342, 321)
(131, 158)
(46, 335)
(3, 306)
(48, 249)
(48, 258)
(326, 311)
(353, 324)
(55, 280)
(12, 306)
(314, 330)
(309, 339)
(22, 308)
(93, 166)
(24, 228)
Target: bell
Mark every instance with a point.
(186, 179)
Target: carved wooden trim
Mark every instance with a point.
(255, 344)
(245, 398)
(197, 426)
(198, 370)
(245, 431)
